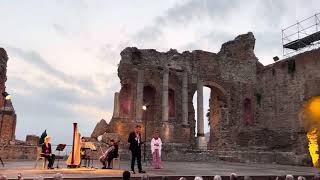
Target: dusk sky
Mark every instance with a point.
(63, 54)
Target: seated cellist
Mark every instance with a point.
(111, 152)
(47, 152)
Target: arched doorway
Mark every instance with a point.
(125, 99)
(149, 94)
(172, 105)
(310, 120)
(215, 110)
(206, 111)
(148, 100)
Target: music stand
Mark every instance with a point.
(92, 167)
(84, 155)
(60, 148)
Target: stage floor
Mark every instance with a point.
(177, 169)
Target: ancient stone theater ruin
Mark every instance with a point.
(254, 109)
(10, 147)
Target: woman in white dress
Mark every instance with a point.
(156, 146)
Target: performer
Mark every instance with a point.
(111, 152)
(135, 148)
(47, 152)
(156, 146)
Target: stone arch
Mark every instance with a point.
(172, 103)
(125, 100)
(149, 115)
(149, 94)
(219, 89)
(218, 114)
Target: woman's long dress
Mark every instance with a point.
(156, 146)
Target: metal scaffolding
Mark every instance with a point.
(302, 36)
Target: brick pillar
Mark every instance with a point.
(2, 89)
(200, 118)
(165, 105)
(139, 95)
(185, 99)
(201, 139)
(116, 106)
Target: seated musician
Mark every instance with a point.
(47, 152)
(112, 152)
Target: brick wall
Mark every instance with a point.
(18, 152)
(8, 127)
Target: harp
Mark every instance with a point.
(74, 158)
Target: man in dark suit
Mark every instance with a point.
(135, 148)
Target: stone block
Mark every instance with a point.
(32, 140)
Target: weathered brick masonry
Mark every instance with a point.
(253, 108)
(10, 148)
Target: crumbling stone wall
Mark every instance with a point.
(14, 151)
(10, 147)
(8, 116)
(284, 87)
(230, 75)
(253, 108)
(3, 72)
(8, 128)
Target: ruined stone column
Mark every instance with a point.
(201, 139)
(200, 118)
(185, 99)
(139, 96)
(165, 91)
(116, 108)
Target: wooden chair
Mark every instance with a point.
(39, 157)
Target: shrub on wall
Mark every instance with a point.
(208, 116)
(273, 71)
(258, 98)
(291, 66)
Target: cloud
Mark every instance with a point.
(67, 70)
(85, 85)
(60, 29)
(186, 13)
(208, 24)
(60, 99)
(55, 107)
(194, 9)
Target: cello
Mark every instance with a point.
(74, 158)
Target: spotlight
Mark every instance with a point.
(144, 107)
(276, 58)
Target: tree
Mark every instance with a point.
(208, 116)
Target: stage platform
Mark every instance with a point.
(172, 169)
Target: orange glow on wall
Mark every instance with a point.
(314, 107)
(310, 116)
(313, 146)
